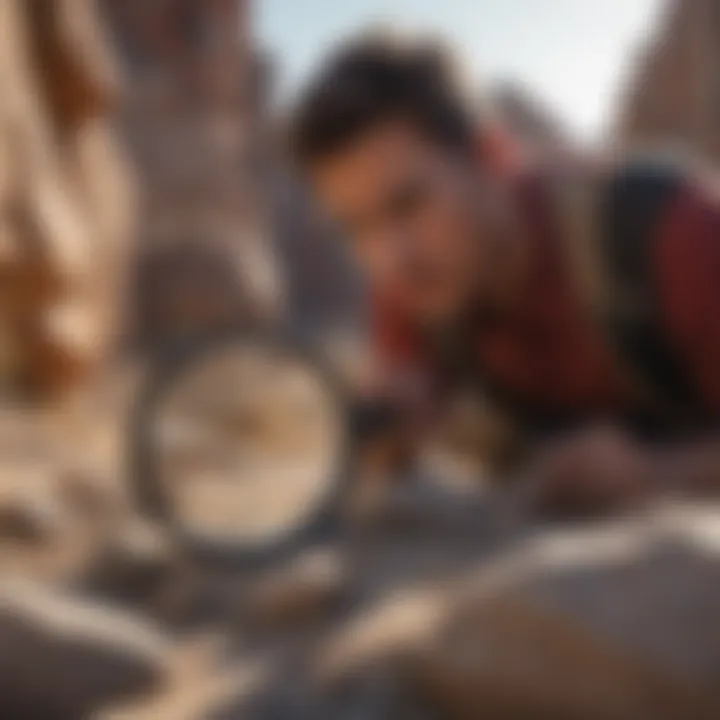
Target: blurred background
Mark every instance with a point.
(144, 200)
(152, 129)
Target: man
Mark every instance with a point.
(584, 301)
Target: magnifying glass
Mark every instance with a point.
(241, 444)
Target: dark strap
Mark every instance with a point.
(634, 203)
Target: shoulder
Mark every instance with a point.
(661, 219)
(657, 209)
(687, 261)
(658, 184)
(687, 250)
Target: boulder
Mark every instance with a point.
(30, 518)
(64, 658)
(613, 622)
(133, 563)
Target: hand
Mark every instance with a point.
(593, 472)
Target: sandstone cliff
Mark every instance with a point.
(64, 199)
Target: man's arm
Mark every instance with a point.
(396, 400)
(603, 469)
(690, 468)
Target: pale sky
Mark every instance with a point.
(571, 52)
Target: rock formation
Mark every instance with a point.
(673, 98)
(322, 286)
(525, 117)
(64, 197)
(192, 122)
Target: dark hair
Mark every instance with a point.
(377, 78)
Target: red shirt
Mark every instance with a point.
(550, 354)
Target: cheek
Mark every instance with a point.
(380, 261)
(448, 234)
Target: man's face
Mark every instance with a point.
(414, 212)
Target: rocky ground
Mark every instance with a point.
(435, 602)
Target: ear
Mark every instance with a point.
(496, 149)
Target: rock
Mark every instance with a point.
(305, 590)
(201, 678)
(611, 622)
(133, 564)
(64, 658)
(355, 673)
(651, 587)
(374, 696)
(89, 497)
(82, 79)
(140, 567)
(528, 120)
(386, 631)
(193, 122)
(31, 518)
(323, 285)
(64, 197)
(426, 507)
(512, 660)
(660, 107)
(187, 289)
